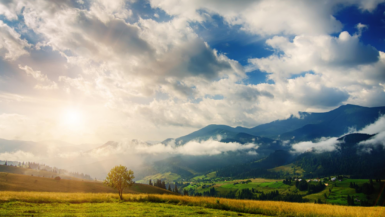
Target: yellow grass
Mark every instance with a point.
(246, 206)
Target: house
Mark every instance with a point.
(299, 180)
(333, 179)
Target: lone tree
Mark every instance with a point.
(120, 178)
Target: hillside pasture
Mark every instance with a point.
(56, 201)
(110, 209)
(17, 182)
(289, 169)
(167, 177)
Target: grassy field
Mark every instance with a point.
(71, 204)
(110, 209)
(289, 169)
(339, 193)
(336, 193)
(17, 182)
(168, 177)
(260, 184)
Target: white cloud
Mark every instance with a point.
(378, 139)
(211, 147)
(376, 127)
(268, 17)
(11, 45)
(314, 53)
(47, 83)
(325, 144)
(20, 156)
(324, 71)
(194, 148)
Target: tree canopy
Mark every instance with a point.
(120, 178)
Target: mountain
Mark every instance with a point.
(308, 126)
(210, 131)
(257, 168)
(349, 158)
(336, 122)
(274, 144)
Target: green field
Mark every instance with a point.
(223, 187)
(289, 170)
(339, 190)
(109, 209)
(339, 193)
(167, 177)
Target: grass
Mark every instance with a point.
(212, 175)
(144, 204)
(339, 193)
(168, 177)
(109, 209)
(17, 182)
(260, 184)
(288, 169)
(337, 196)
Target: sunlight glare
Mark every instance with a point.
(72, 118)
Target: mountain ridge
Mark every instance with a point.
(309, 126)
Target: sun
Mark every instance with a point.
(72, 117)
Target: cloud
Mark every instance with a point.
(20, 156)
(193, 148)
(323, 71)
(268, 17)
(325, 144)
(211, 147)
(377, 128)
(11, 45)
(314, 53)
(378, 139)
(47, 83)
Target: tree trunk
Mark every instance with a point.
(121, 195)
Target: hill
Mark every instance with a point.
(38, 173)
(18, 182)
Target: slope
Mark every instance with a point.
(17, 182)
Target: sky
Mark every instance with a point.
(87, 72)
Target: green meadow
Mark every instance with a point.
(109, 209)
